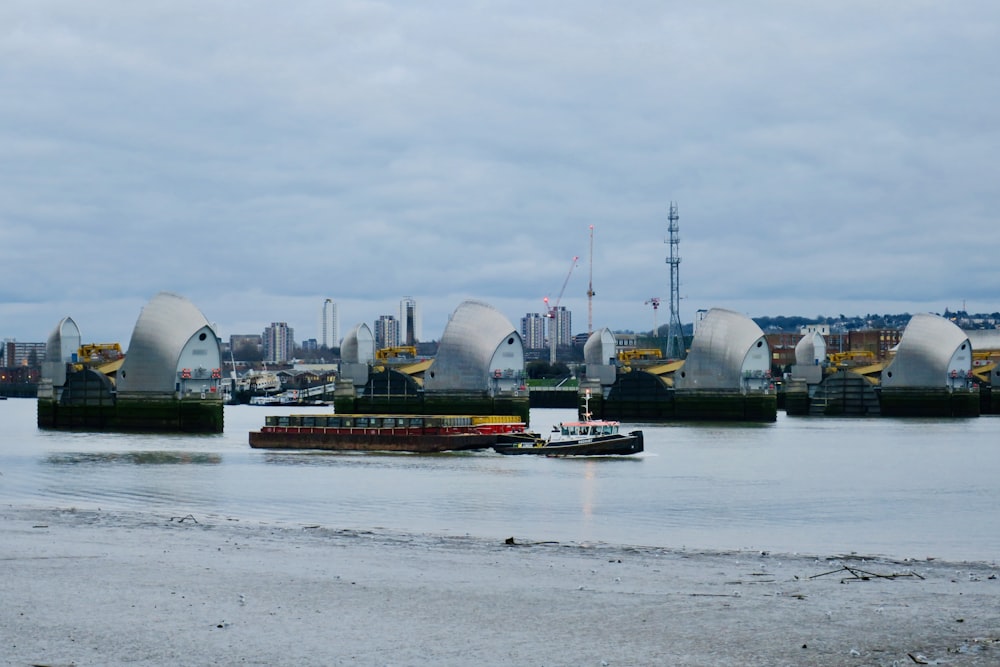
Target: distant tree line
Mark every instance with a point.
(873, 321)
(541, 369)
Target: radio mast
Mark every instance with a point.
(675, 333)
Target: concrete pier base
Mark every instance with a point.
(989, 400)
(635, 396)
(926, 402)
(717, 405)
(630, 409)
(133, 415)
(794, 397)
(688, 405)
(844, 394)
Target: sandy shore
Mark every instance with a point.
(100, 588)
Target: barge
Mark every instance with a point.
(423, 434)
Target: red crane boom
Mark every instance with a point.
(551, 313)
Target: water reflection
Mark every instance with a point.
(324, 457)
(588, 499)
(133, 458)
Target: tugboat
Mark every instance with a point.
(590, 437)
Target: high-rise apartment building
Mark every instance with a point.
(533, 331)
(386, 332)
(409, 322)
(561, 326)
(22, 354)
(279, 343)
(329, 327)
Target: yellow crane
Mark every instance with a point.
(840, 358)
(640, 354)
(96, 354)
(396, 352)
(103, 357)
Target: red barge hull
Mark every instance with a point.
(422, 435)
(368, 442)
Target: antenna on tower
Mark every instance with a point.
(675, 333)
(590, 287)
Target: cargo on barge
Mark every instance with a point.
(388, 433)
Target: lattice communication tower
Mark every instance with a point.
(675, 333)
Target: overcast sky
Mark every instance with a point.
(259, 157)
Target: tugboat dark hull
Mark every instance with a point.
(610, 445)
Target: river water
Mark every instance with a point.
(914, 488)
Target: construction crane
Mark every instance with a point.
(639, 354)
(590, 287)
(656, 304)
(97, 354)
(397, 352)
(551, 312)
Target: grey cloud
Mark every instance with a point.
(833, 157)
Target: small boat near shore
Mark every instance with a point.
(422, 434)
(590, 437)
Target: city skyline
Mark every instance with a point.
(278, 336)
(541, 322)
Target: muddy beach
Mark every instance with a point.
(117, 588)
